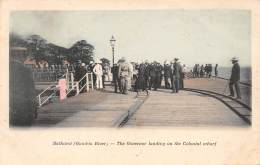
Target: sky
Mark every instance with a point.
(194, 36)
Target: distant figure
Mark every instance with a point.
(202, 71)
(116, 80)
(181, 77)
(22, 98)
(210, 70)
(198, 71)
(216, 70)
(152, 75)
(234, 78)
(98, 71)
(124, 72)
(147, 74)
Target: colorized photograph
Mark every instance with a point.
(130, 68)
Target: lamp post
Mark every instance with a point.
(112, 43)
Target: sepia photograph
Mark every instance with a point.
(130, 68)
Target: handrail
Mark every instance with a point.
(40, 102)
(71, 85)
(51, 86)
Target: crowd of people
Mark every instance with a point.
(200, 71)
(145, 76)
(127, 76)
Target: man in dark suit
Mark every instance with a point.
(234, 78)
(22, 101)
(116, 79)
(176, 75)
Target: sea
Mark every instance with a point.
(245, 73)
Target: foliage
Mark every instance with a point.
(81, 50)
(39, 49)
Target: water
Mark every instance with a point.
(245, 73)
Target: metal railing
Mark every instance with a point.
(49, 92)
(43, 97)
(88, 79)
(86, 82)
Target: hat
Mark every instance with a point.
(176, 59)
(234, 59)
(91, 62)
(123, 59)
(83, 64)
(167, 62)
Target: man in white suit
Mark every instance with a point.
(98, 71)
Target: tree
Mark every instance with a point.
(37, 47)
(81, 50)
(16, 41)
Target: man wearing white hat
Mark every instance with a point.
(98, 71)
(234, 78)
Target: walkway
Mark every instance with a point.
(98, 109)
(164, 108)
(218, 85)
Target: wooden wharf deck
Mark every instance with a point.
(161, 108)
(94, 109)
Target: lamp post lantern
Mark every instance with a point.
(112, 43)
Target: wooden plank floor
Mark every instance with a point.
(164, 108)
(95, 109)
(218, 85)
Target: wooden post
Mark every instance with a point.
(87, 82)
(77, 87)
(39, 100)
(72, 80)
(92, 86)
